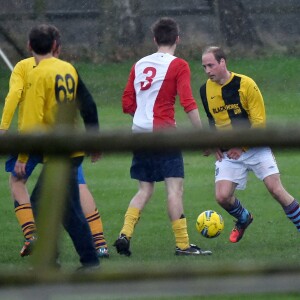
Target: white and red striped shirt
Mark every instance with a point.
(153, 84)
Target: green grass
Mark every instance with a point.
(272, 239)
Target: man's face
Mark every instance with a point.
(214, 70)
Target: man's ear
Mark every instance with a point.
(222, 61)
(54, 46)
(56, 51)
(177, 39)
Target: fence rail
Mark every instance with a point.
(152, 282)
(65, 141)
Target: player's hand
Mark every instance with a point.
(219, 154)
(20, 169)
(234, 153)
(95, 156)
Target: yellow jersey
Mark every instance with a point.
(236, 103)
(50, 83)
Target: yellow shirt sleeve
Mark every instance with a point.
(16, 91)
(16, 85)
(255, 103)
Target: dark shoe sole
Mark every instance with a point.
(122, 247)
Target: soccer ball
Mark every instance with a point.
(210, 224)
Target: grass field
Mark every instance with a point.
(271, 240)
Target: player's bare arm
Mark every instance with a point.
(195, 118)
(218, 153)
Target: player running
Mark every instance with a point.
(231, 101)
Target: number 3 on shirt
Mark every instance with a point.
(64, 88)
(151, 72)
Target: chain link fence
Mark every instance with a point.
(111, 30)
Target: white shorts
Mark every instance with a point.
(260, 160)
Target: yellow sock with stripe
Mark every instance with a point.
(25, 218)
(96, 227)
(180, 231)
(132, 216)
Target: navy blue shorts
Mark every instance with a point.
(30, 165)
(156, 166)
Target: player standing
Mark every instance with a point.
(149, 97)
(42, 96)
(231, 101)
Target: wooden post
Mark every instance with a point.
(53, 200)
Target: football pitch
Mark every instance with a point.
(270, 243)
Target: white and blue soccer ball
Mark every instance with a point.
(210, 224)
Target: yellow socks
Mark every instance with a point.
(132, 216)
(96, 227)
(26, 220)
(180, 231)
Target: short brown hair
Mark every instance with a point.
(42, 37)
(165, 31)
